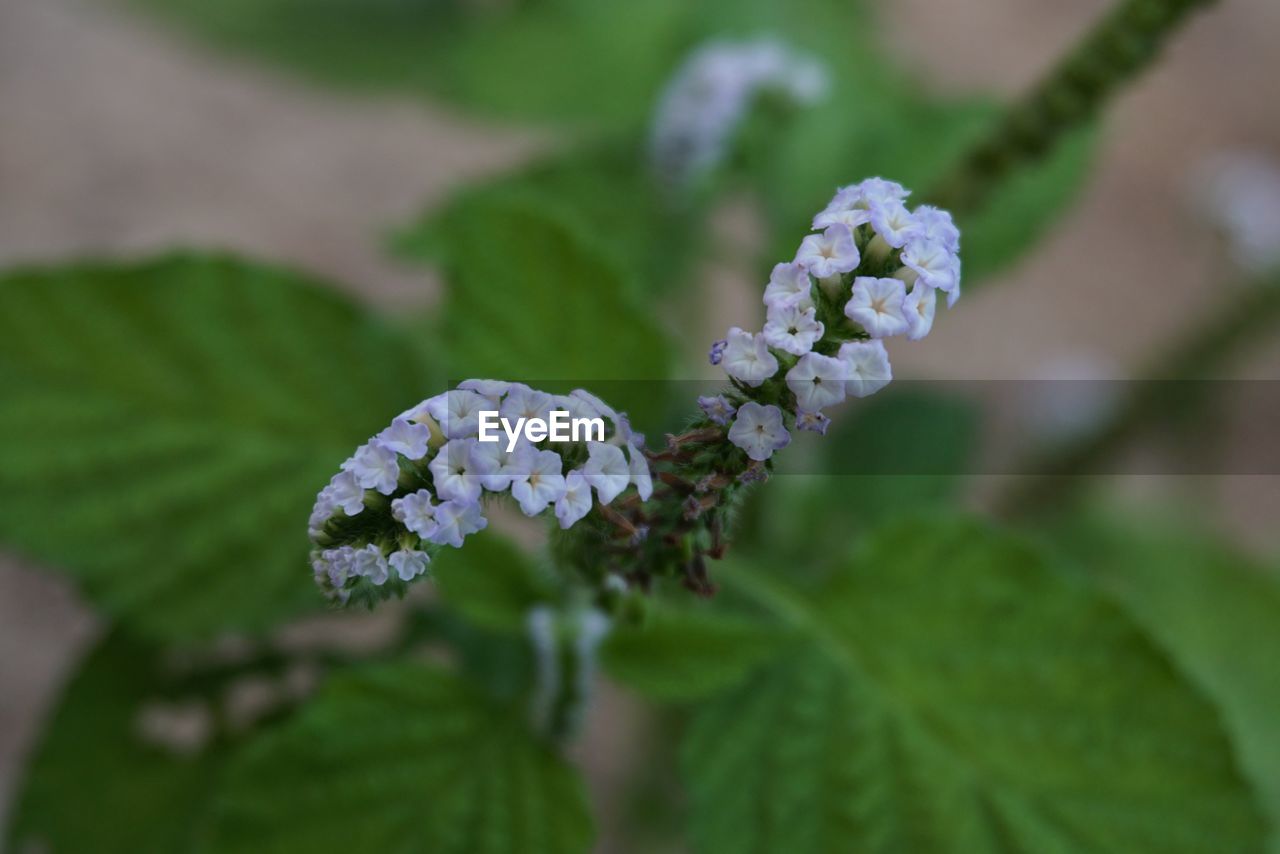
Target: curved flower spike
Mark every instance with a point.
(871, 272)
(422, 483)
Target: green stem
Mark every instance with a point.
(1201, 355)
(1112, 53)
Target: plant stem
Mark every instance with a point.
(1241, 321)
(1113, 52)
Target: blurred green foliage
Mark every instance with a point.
(96, 784)
(954, 692)
(162, 423)
(401, 757)
(1216, 609)
(576, 60)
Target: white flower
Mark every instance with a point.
(789, 284)
(405, 437)
(321, 513)
(747, 358)
(954, 293)
(457, 412)
(369, 563)
(606, 470)
(815, 422)
(409, 564)
(1239, 191)
(451, 473)
(540, 484)
(710, 94)
(936, 225)
(600, 408)
(416, 512)
(495, 465)
(852, 205)
(919, 307)
(935, 266)
(336, 564)
(847, 207)
(893, 222)
(454, 521)
(717, 408)
(868, 366)
(346, 493)
(576, 501)
(576, 407)
(427, 408)
(490, 390)
(877, 304)
(830, 253)
(624, 434)
(792, 329)
(524, 402)
(640, 474)
(758, 430)
(817, 381)
(376, 467)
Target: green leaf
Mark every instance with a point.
(683, 653)
(506, 60)
(401, 758)
(1215, 610)
(510, 59)
(94, 784)
(955, 693)
(903, 450)
(165, 426)
(528, 298)
(493, 583)
(651, 235)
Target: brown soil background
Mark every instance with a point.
(118, 137)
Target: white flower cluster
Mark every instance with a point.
(418, 484)
(1240, 194)
(711, 93)
(873, 270)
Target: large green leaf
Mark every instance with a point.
(530, 298)
(955, 693)
(493, 583)
(1215, 610)
(605, 190)
(164, 428)
(506, 59)
(683, 652)
(94, 784)
(904, 451)
(401, 758)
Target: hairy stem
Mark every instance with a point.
(1112, 53)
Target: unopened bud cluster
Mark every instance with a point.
(419, 485)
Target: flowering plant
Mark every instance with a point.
(499, 657)
(873, 270)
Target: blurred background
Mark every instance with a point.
(124, 133)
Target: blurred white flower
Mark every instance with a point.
(709, 96)
(1240, 193)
